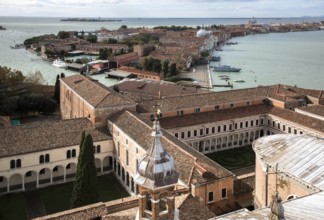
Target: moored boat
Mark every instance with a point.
(17, 46)
(59, 63)
(225, 68)
(239, 80)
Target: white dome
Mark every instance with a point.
(202, 33)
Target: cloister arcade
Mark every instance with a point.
(42, 175)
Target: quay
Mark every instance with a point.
(200, 74)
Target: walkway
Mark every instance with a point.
(200, 74)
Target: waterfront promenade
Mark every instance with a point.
(200, 74)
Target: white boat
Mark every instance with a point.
(239, 80)
(59, 63)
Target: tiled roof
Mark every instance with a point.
(314, 109)
(298, 118)
(126, 55)
(153, 88)
(219, 115)
(137, 71)
(209, 99)
(185, 157)
(95, 93)
(194, 209)
(46, 135)
(278, 92)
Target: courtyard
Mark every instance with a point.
(31, 204)
(234, 159)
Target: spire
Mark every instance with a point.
(156, 169)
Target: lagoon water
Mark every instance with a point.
(288, 58)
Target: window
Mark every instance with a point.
(151, 116)
(201, 131)
(99, 148)
(278, 125)
(195, 133)
(18, 163)
(179, 113)
(257, 122)
(235, 126)
(246, 124)
(29, 173)
(12, 164)
(268, 122)
(224, 193)
(284, 127)
(241, 124)
(41, 159)
(232, 105)
(126, 141)
(213, 130)
(182, 135)
(289, 130)
(230, 127)
(207, 130)
(295, 131)
(136, 164)
(251, 123)
(68, 155)
(1, 178)
(118, 149)
(210, 196)
(197, 110)
(73, 153)
(47, 158)
(42, 171)
(219, 128)
(216, 107)
(55, 169)
(300, 132)
(262, 121)
(127, 161)
(247, 103)
(273, 124)
(224, 128)
(176, 135)
(189, 134)
(68, 166)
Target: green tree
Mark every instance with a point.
(112, 41)
(85, 183)
(63, 34)
(103, 53)
(173, 69)
(92, 39)
(165, 67)
(35, 78)
(57, 89)
(157, 66)
(123, 27)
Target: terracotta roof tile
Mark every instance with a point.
(314, 109)
(46, 135)
(94, 92)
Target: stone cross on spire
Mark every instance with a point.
(157, 110)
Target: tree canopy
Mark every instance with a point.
(85, 183)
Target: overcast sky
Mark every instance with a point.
(162, 8)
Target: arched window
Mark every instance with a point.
(73, 153)
(47, 158)
(41, 159)
(18, 163)
(12, 164)
(68, 154)
(42, 171)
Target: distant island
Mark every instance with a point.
(90, 20)
(2, 28)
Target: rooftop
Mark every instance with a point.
(96, 94)
(46, 135)
(300, 156)
(185, 158)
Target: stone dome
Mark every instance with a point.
(202, 33)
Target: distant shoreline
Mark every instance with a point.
(91, 20)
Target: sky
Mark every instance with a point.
(162, 8)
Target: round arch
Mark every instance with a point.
(107, 163)
(70, 170)
(58, 173)
(3, 184)
(44, 176)
(30, 180)
(15, 182)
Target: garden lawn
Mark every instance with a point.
(234, 158)
(12, 206)
(57, 198)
